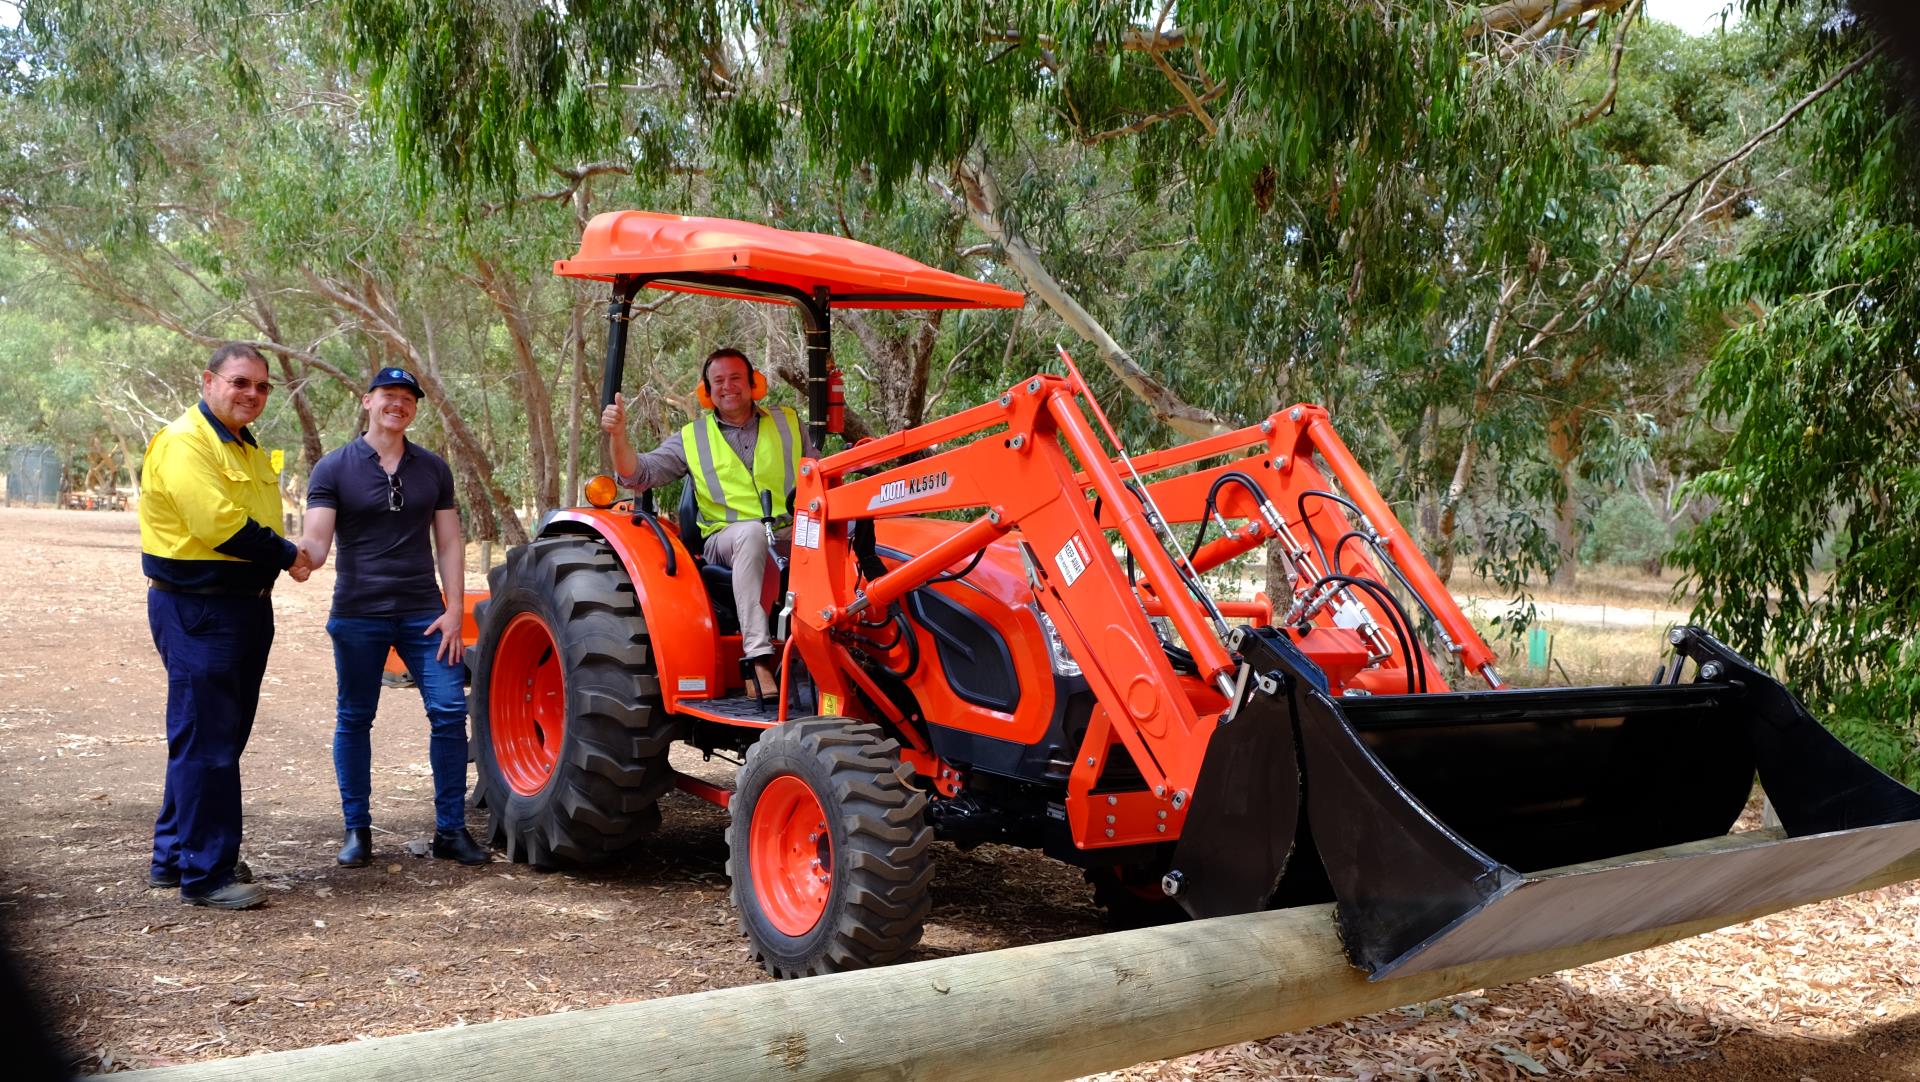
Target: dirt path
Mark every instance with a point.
(406, 944)
(412, 944)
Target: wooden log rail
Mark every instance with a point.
(1046, 1011)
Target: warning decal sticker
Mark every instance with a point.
(1071, 559)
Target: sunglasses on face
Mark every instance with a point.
(243, 384)
(395, 498)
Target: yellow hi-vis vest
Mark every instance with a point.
(723, 489)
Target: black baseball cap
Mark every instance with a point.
(396, 377)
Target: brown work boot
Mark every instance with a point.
(234, 895)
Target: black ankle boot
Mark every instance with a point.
(357, 850)
(458, 845)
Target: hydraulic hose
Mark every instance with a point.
(1211, 509)
(955, 576)
(1387, 558)
(1301, 503)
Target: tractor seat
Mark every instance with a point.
(717, 579)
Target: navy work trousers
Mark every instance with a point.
(215, 650)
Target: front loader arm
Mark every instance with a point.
(1284, 457)
(1016, 472)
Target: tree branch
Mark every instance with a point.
(577, 176)
(1716, 170)
(982, 204)
(1613, 70)
(1132, 41)
(98, 279)
(1149, 121)
(1193, 103)
(1532, 19)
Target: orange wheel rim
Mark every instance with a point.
(527, 704)
(792, 854)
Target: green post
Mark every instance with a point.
(1538, 648)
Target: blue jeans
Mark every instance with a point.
(360, 646)
(215, 651)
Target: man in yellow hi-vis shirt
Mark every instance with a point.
(208, 506)
(732, 454)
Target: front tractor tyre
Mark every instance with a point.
(570, 737)
(828, 849)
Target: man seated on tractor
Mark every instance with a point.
(731, 455)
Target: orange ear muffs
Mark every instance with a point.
(705, 397)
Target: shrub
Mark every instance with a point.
(1626, 531)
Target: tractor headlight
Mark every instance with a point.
(1057, 652)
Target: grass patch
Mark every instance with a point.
(1585, 655)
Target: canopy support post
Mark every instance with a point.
(819, 332)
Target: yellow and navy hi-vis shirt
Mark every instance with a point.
(207, 501)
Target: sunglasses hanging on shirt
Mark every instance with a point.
(395, 498)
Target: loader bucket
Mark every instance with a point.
(1460, 827)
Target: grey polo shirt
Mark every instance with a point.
(667, 463)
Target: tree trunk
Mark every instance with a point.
(1441, 553)
(1563, 444)
(901, 363)
(311, 447)
(482, 523)
(542, 447)
(480, 465)
(578, 334)
(1041, 1011)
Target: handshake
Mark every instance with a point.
(304, 561)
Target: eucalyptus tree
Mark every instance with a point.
(74, 378)
(1357, 175)
(1820, 389)
(210, 172)
(117, 149)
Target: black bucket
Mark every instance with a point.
(1457, 827)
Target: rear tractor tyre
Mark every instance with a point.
(828, 849)
(570, 737)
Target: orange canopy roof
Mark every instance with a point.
(704, 255)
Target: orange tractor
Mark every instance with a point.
(1043, 664)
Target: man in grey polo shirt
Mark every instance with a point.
(733, 454)
(392, 503)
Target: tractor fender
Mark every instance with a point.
(679, 616)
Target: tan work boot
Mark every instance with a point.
(768, 680)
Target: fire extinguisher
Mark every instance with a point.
(836, 400)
